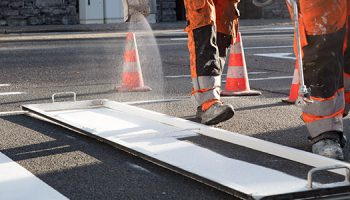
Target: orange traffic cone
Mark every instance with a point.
(237, 83)
(132, 80)
(293, 94)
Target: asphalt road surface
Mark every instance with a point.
(34, 66)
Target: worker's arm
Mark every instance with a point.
(136, 7)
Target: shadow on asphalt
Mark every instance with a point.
(88, 169)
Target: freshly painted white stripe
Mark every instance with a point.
(189, 76)
(18, 183)
(278, 55)
(271, 78)
(11, 93)
(4, 85)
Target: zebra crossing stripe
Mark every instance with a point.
(10, 93)
(18, 183)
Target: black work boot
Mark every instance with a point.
(330, 144)
(217, 113)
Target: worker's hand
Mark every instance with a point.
(137, 7)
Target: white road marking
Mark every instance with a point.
(18, 183)
(254, 73)
(268, 36)
(179, 39)
(189, 76)
(270, 47)
(278, 55)
(155, 101)
(16, 112)
(271, 78)
(280, 28)
(65, 36)
(268, 78)
(4, 85)
(11, 93)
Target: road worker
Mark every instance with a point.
(212, 24)
(325, 36)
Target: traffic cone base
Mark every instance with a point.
(241, 93)
(289, 101)
(136, 89)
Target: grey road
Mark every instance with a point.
(34, 66)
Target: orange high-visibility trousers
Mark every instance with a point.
(323, 37)
(347, 64)
(211, 26)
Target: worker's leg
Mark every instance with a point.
(227, 25)
(205, 64)
(323, 63)
(347, 64)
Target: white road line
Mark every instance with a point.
(4, 85)
(271, 78)
(270, 47)
(268, 78)
(18, 183)
(254, 73)
(189, 76)
(280, 28)
(11, 93)
(179, 39)
(179, 76)
(64, 36)
(268, 36)
(155, 101)
(16, 112)
(278, 55)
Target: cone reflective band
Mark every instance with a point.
(237, 83)
(132, 80)
(294, 89)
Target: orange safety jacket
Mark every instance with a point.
(211, 25)
(322, 25)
